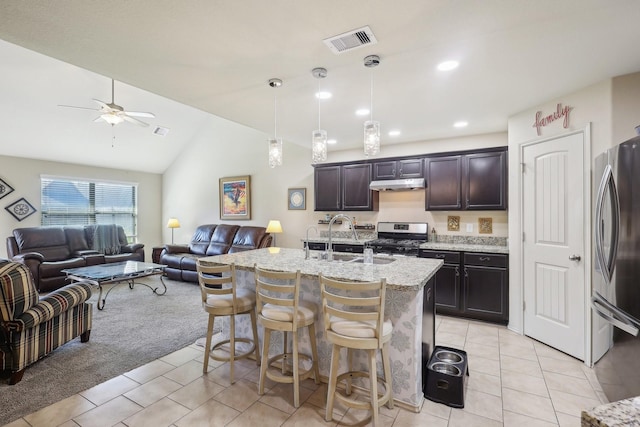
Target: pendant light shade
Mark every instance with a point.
(275, 143)
(371, 127)
(319, 136)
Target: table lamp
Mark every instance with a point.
(274, 227)
(173, 224)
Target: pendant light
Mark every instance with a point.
(371, 127)
(319, 136)
(275, 143)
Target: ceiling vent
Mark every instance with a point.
(160, 131)
(351, 40)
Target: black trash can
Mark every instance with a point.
(446, 376)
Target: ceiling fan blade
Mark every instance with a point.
(80, 108)
(102, 105)
(98, 119)
(140, 114)
(132, 120)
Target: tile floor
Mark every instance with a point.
(514, 381)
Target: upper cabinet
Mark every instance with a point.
(344, 188)
(472, 181)
(397, 169)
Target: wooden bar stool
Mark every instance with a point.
(221, 297)
(355, 323)
(279, 309)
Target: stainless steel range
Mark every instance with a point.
(399, 238)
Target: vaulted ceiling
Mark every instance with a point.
(183, 60)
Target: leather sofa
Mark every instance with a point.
(209, 240)
(46, 251)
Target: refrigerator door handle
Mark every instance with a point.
(614, 315)
(607, 181)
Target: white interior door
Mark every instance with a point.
(553, 246)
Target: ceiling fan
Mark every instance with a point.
(113, 113)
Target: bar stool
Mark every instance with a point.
(279, 309)
(357, 323)
(221, 297)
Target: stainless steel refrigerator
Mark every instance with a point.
(616, 277)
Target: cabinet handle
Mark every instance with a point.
(485, 258)
(457, 271)
(466, 273)
(393, 172)
(440, 255)
(400, 171)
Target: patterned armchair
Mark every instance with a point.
(32, 327)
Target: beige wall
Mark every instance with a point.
(223, 148)
(626, 107)
(24, 176)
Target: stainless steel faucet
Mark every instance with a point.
(306, 246)
(330, 247)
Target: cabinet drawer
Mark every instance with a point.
(357, 249)
(486, 260)
(449, 257)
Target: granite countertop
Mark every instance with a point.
(404, 273)
(616, 414)
(466, 247)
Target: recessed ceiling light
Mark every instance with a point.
(323, 95)
(362, 112)
(448, 65)
(460, 124)
(332, 141)
(394, 132)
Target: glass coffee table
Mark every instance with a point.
(116, 273)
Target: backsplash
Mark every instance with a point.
(471, 240)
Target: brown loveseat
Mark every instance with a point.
(209, 240)
(46, 251)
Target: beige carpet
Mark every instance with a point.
(134, 328)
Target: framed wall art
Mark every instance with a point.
(5, 188)
(297, 198)
(20, 209)
(235, 197)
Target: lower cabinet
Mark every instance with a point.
(472, 284)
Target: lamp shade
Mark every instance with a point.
(173, 223)
(274, 227)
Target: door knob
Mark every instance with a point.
(574, 257)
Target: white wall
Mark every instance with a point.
(591, 107)
(24, 176)
(223, 148)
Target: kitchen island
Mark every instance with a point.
(407, 278)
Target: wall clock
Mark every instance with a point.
(297, 199)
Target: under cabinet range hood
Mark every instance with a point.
(397, 184)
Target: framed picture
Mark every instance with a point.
(5, 188)
(20, 209)
(235, 197)
(297, 198)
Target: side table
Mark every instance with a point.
(155, 254)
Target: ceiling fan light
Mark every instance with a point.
(318, 146)
(112, 119)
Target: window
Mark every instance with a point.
(68, 201)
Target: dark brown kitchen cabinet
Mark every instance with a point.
(472, 181)
(470, 284)
(337, 247)
(344, 188)
(485, 181)
(327, 185)
(443, 176)
(397, 169)
(486, 286)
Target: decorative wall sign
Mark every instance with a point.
(485, 225)
(235, 197)
(5, 188)
(453, 223)
(20, 209)
(560, 113)
(297, 198)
